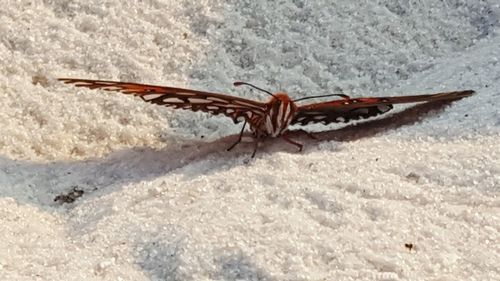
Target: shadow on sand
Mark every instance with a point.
(159, 256)
(39, 183)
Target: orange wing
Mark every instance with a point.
(238, 109)
(345, 110)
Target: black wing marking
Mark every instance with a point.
(346, 110)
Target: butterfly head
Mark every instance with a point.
(281, 99)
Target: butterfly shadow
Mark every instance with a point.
(40, 183)
(50, 185)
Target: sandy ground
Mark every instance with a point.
(163, 200)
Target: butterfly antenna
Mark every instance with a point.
(322, 96)
(239, 83)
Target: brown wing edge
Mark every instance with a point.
(127, 87)
(428, 98)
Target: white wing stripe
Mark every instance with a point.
(217, 99)
(149, 97)
(196, 100)
(173, 100)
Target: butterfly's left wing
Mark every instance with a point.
(238, 109)
(345, 110)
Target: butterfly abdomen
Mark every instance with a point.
(279, 113)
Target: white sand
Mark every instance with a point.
(163, 203)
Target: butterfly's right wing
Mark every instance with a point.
(238, 109)
(345, 110)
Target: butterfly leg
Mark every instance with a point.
(239, 138)
(255, 146)
(299, 145)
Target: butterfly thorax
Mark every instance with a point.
(279, 113)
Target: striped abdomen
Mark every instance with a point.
(279, 113)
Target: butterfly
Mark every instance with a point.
(266, 119)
